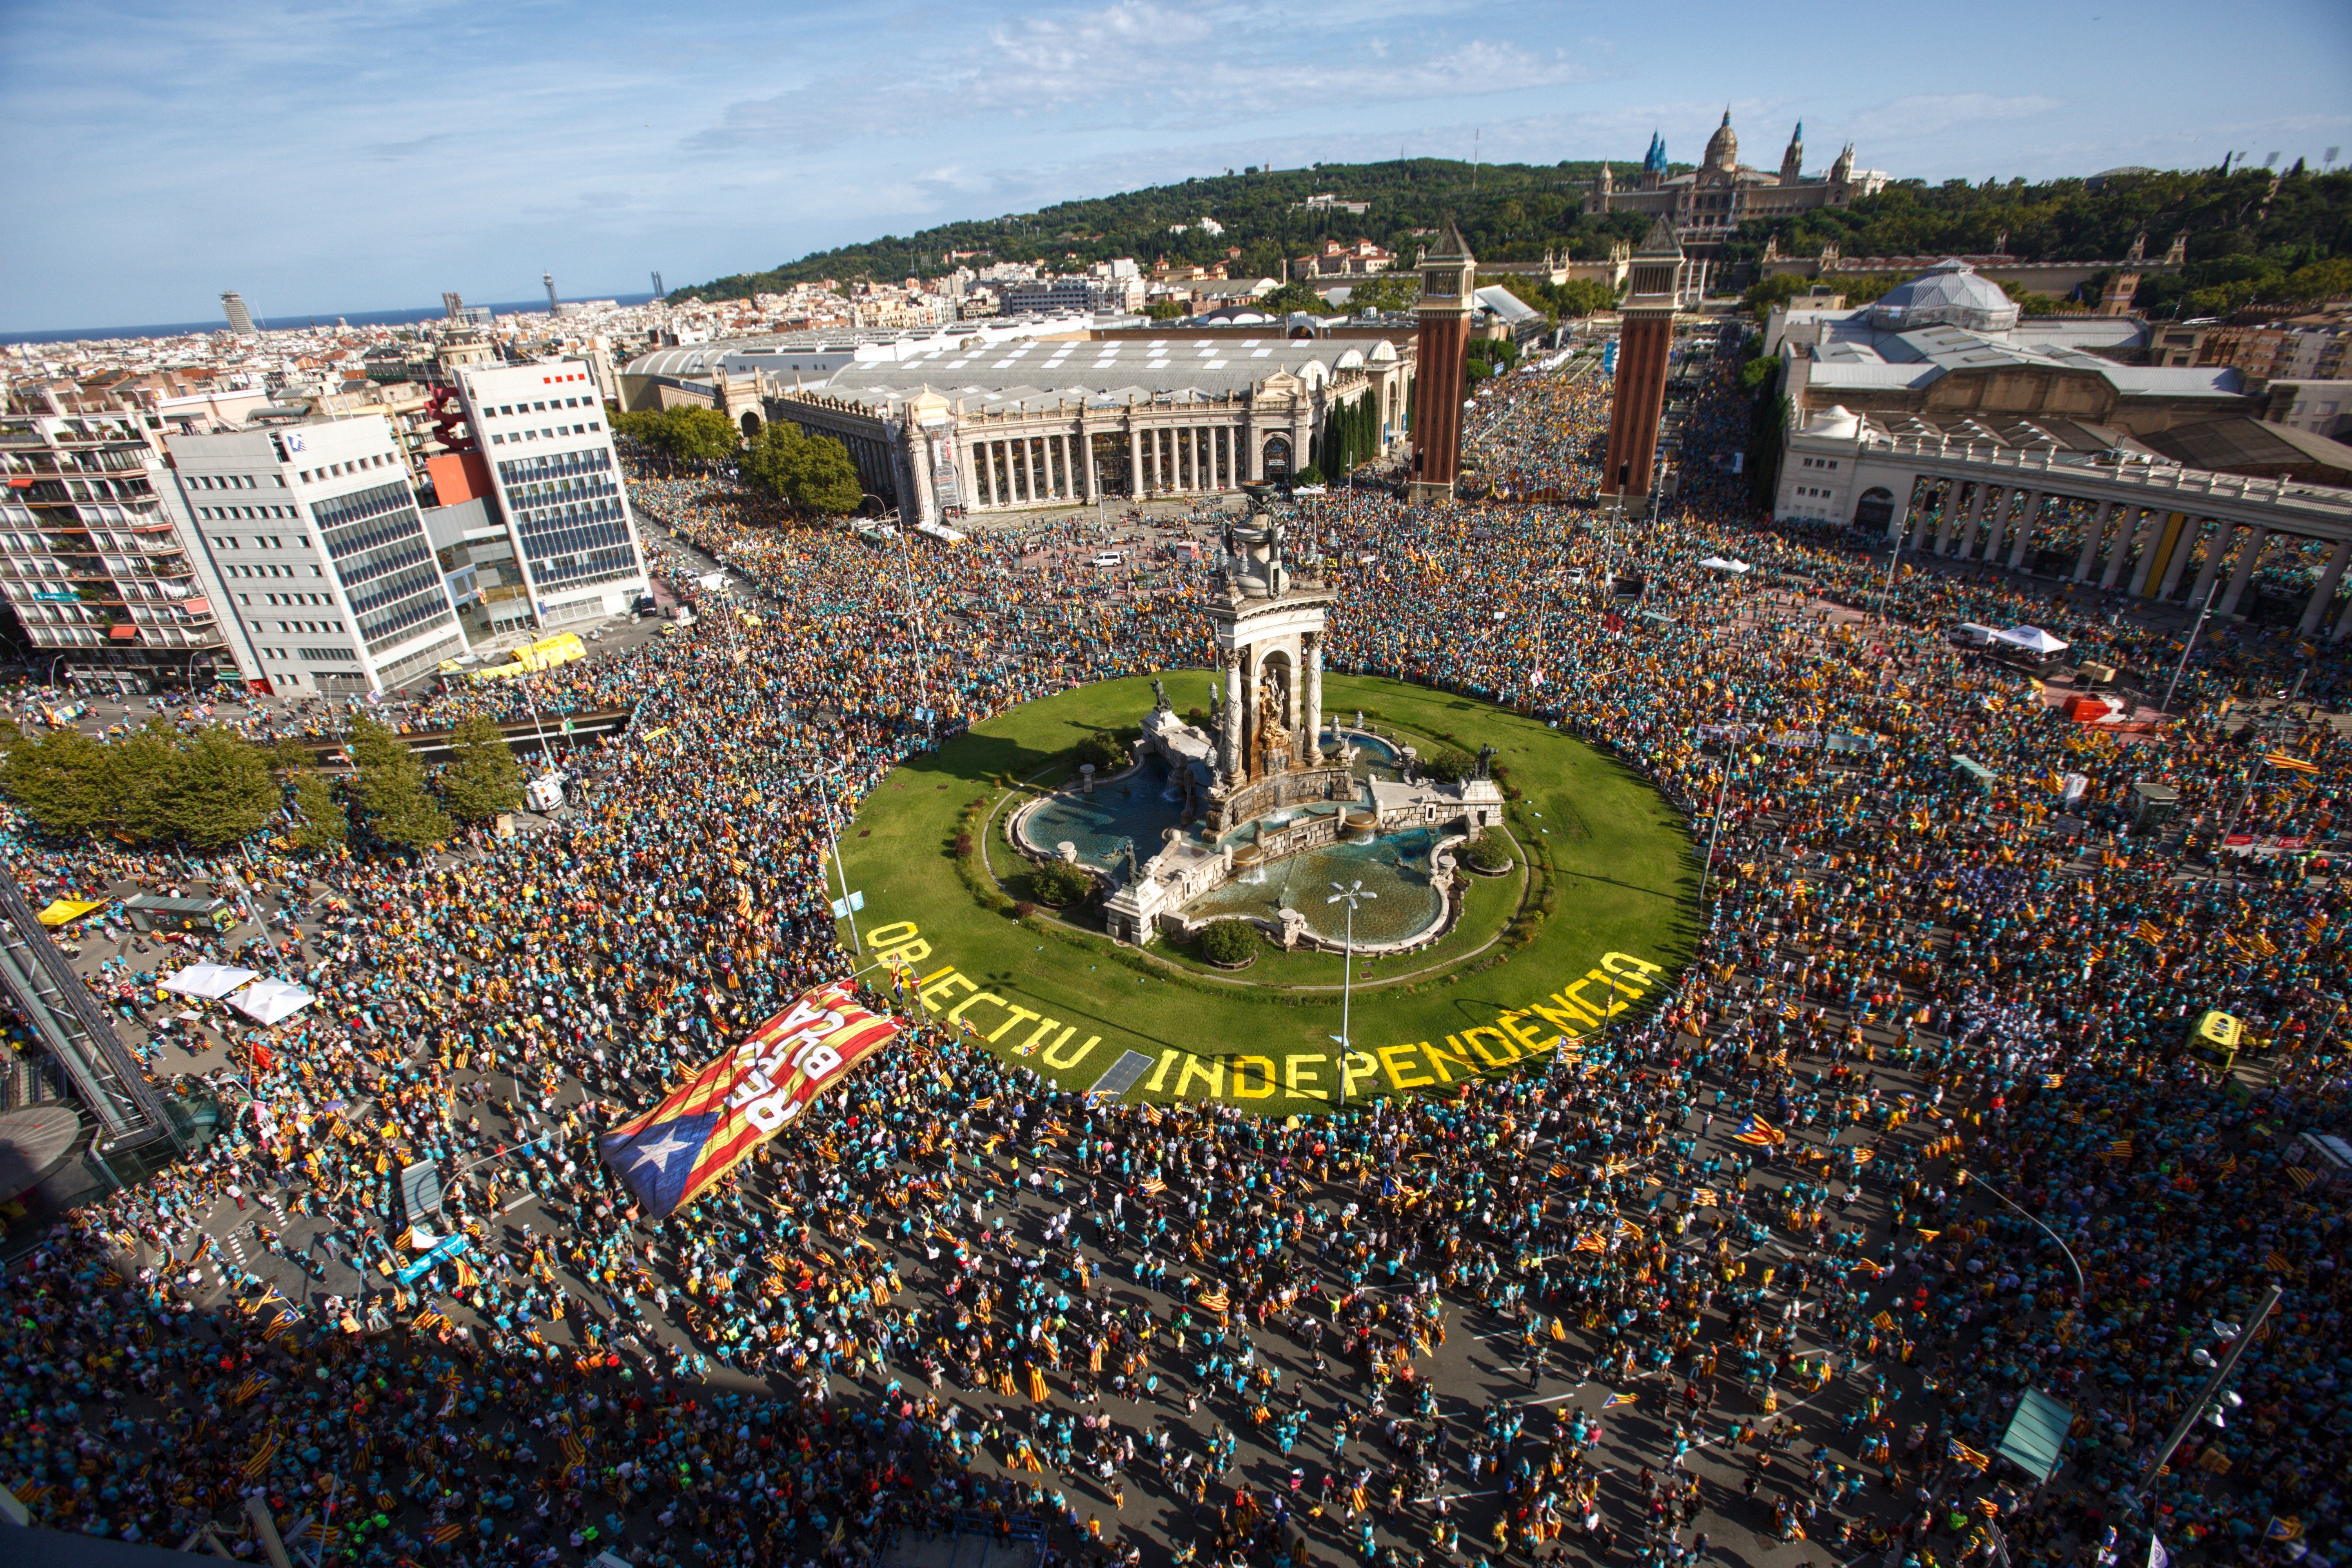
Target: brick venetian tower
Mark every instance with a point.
(1448, 282)
(1652, 286)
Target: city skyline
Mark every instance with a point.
(398, 152)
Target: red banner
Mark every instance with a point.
(673, 1153)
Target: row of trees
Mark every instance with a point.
(2252, 236)
(809, 473)
(1351, 435)
(1516, 212)
(213, 788)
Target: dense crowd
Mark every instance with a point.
(1928, 1063)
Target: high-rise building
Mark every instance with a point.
(549, 278)
(111, 593)
(240, 320)
(557, 484)
(1449, 275)
(1653, 286)
(314, 531)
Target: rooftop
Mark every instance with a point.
(1002, 377)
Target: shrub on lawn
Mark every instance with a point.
(1057, 882)
(1229, 942)
(1449, 764)
(1107, 751)
(1488, 853)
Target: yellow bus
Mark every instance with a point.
(545, 654)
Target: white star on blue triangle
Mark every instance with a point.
(656, 1161)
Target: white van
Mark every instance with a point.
(1110, 558)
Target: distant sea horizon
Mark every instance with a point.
(402, 318)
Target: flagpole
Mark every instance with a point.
(2081, 1292)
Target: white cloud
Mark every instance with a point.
(1134, 63)
(1931, 114)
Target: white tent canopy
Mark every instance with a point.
(1722, 563)
(2032, 639)
(209, 980)
(270, 1000)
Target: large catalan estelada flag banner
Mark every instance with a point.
(705, 1128)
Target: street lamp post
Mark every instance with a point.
(2186, 648)
(833, 836)
(914, 609)
(2198, 1407)
(1348, 896)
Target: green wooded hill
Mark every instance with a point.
(1514, 212)
(2246, 238)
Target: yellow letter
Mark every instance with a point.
(1213, 1074)
(1638, 966)
(1564, 1017)
(935, 990)
(1299, 1078)
(955, 1013)
(1470, 1038)
(1388, 1055)
(1509, 1023)
(890, 936)
(1054, 1058)
(1607, 1006)
(1159, 1073)
(1347, 1068)
(1037, 1036)
(1241, 1078)
(1015, 1017)
(1452, 1052)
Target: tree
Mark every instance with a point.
(1779, 289)
(690, 433)
(1229, 942)
(1309, 475)
(66, 782)
(2329, 279)
(216, 790)
(1057, 882)
(483, 778)
(1164, 310)
(812, 473)
(1386, 292)
(1293, 297)
(391, 788)
(1449, 764)
(318, 819)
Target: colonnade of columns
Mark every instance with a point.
(1162, 460)
(1030, 471)
(2144, 550)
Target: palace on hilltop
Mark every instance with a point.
(1708, 203)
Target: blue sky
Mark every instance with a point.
(349, 157)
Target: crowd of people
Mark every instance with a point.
(1915, 1133)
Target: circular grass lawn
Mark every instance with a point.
(1591, 924)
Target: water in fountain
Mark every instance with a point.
(1395, 866)
(1139, 806)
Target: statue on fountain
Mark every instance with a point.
(1159, 703)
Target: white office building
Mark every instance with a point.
(541, 430)
(315, 536)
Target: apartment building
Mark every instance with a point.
(314, 533)
(110, 590)
(541, 428)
